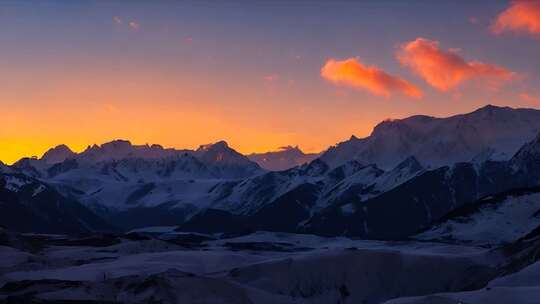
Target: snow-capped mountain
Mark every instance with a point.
(283, 159)
(429, 196)
(120, 160)
(437, 142)
(344, 192)
(121, 149)
(30, 166)
(58, 154)
(226, 160)
(118, 180)
(362, 200)
(296, 195)
(178, 181)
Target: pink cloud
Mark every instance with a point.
(534, 100)
(117, 20)
(521, 16)
(271, 78)
(445, 69)
(351, 72)
(134, 25)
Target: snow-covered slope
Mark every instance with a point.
(520, 287)
(294, 196)
(527, 159)
(260, 268)
(29, 205)
(345, 191)
(493, 220)
(327, 186)
(226, 161)
(427, 197)
(176, 182)
(442, 141)
(283, 159)
(119, 179)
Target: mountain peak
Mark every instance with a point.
(114, 150)
(492, 107)
(220, 153)
(289, 148)
(57, 154)
(117, 144)
(220, 145)
(284, 158)
(489, 108)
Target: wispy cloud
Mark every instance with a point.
(521, 16)
(271, 78)
(445, 69)
(530, 99)
(134, 25)
(117, 20)
(474, 20)
(110, 108)
(351, 72)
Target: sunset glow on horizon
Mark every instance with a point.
(259, 75)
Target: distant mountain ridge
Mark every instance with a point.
(353, 188)
(283, 159)
(58, 154)
(364, 200)
(218, 155)
(488, 133)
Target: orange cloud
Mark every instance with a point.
(353, 73)
(521, 16)
(446, 69)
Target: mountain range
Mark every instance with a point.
(283, 159)
(408, 175)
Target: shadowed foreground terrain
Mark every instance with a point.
(162, 266)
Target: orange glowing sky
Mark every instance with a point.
(258, 75)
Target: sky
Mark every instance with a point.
(258, 74)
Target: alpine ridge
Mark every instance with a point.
(406, 175)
